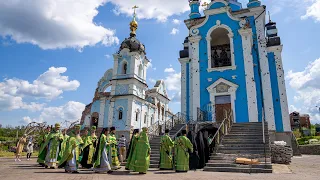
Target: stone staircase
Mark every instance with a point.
(245, 140)
(155, 146)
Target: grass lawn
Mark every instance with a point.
(11, 154)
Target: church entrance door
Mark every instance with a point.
(222, 105)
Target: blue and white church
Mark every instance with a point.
(122, 98)
(232, 60)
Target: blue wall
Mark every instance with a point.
(275, 93)
(188, 89)
(95, 107)
(241, 94)
(120, 124)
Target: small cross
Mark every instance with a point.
(134, 8)
(204, 4)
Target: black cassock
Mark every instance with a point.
(206, 145)
(201, 150)
(194, 157)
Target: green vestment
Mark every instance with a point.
(42, 156)
(141, 156)
(64, 145)
(166, 145)
(88, 149)
(104, 140)
(72, 143)
(114, 152)
(132, 147)
(52, 144)
(182, 147)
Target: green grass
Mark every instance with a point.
(302, 141)
(11, 154)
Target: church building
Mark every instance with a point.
(232, 61)
(122, 98)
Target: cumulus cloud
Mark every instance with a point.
(49, 85)
(176, 21)
(313, 11)
(173, 82)
(151, 9)
(71, 111)
(53, 24)
(107, 56)
(174, 31)
(307, 86)
(169, 70)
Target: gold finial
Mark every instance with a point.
(134, 23)
(205, 4)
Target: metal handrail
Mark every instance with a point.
(223, 129)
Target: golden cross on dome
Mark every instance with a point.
(134, 8)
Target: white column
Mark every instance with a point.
(110, 118)
(101, 114)
(194, 75)
(282, 87)
(184, 87)
(246, 35)
(129, 114)
(265, 73)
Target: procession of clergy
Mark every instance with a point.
(69, 150)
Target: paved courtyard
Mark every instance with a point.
(302, 168)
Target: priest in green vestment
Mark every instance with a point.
(52, 145)
(141, 156)
(42, 140)
(64, 142)
(102, 154)
(166, 145)
(88, 149)
(182, 148)
(115, 165)
(132, 146)
(71, 154)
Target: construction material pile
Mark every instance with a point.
(280, 153)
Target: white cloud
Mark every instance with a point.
(174, 31)
(52, 24)
(173, 82)
(176, 21)
(307, 86)
(292, 108)
(152, 80)
(169, 70)
(313, 11)
(71, 111)
(176, 98)
(49, 85)
(151, 9)
(107, 56)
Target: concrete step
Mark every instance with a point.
(244, 152)
(243, 141)
(232, 161)
(262, 166)
(243, 148)
(152, 158)
(244, 145)
(154, 165)
(155, 155)
(234, 156)
(237, 169)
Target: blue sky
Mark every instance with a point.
(54, 52)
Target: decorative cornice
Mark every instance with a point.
(275, 48)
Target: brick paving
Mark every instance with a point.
(302, 168)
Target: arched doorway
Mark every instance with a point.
(95, 119)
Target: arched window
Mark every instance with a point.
(120, 114)
(124, 68)
(145, 118)
(140, 71)
(162, 113)
(220, 48)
